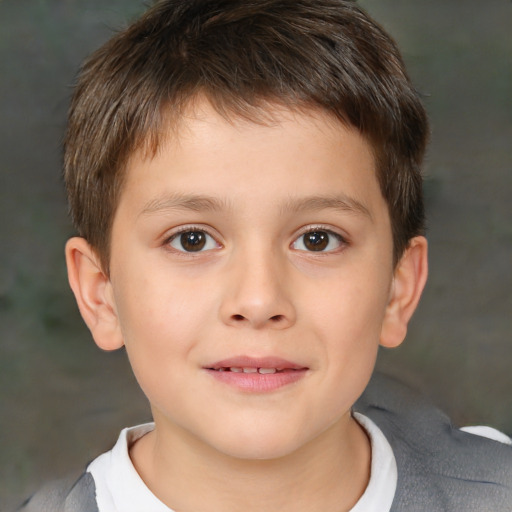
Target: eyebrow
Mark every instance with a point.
(342, 203)
(196, 203)
(202, 203)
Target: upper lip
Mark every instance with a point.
(256, 362)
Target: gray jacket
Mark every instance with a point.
(440, 469)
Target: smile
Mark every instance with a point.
(252, 369)
(256, 375)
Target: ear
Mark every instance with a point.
(93, 293)
(409, 280)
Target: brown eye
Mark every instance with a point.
(319, 240)
(193, 241)
(316, 240)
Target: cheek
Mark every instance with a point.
(349, 318)
(351, 305)
(161, 317)
(158, 300)
(160, 328)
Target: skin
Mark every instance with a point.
(256, 289)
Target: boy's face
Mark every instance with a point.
(248, 245)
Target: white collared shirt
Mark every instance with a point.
(119, 488)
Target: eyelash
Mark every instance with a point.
(343, 242)
(187, 229)
(310, 229)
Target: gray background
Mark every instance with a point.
(63, 401)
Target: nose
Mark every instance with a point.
(258, 293)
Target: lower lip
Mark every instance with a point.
(258, 382)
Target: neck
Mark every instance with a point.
(331, 472)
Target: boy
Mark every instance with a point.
(245, 180)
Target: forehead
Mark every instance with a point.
(206, 153)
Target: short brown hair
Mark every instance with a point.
(242, 55)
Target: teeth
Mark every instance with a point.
(252, 369)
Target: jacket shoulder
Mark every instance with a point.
(439, 466)
(66, 495)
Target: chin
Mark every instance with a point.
(261, 445)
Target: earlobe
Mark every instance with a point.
(409, 280)
(93, 293)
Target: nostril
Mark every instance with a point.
(241, 318)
